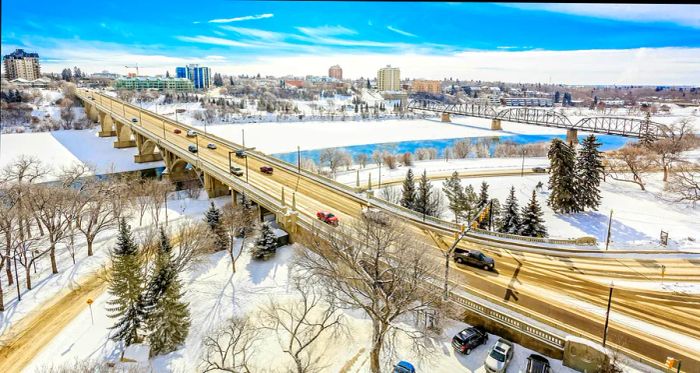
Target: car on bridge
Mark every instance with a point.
(191, 133)
(211, 146)
(537, 364)
(134, 120)
(469, 339)
(539, 170)
(327, 218)
(192, 148)
(266, 170)
(236, 171)
(474, 258)
(240, 153)
(499, 357)
(177, 131)
(404, 367)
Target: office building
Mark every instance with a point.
(199, 76)
(22, 65)
(335, 72)
(527, 101)
(389, 79)
(161, 84)
(427, 86)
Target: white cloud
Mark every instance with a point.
(196, 22)
(256, 33)
(213, 40)
(687, 15)
(326, 31)
(402, 32)
(244, 18)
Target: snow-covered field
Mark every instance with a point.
(215, 294)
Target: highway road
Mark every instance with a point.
(539, 285)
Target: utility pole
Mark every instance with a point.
(607, 239)
(522, 168)
(607, 316)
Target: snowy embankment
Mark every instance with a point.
(215, 294)
(47, 286)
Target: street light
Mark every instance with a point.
(229, 161)
(607, 315)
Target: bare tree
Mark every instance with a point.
(67, 114)
(377, 266)
(299, 324)
(23, 171)
(462, 148)
(629, 164)
(230, 348)
(361, 159)
(685, 181)
(333, 156)
(240, 221)
(100, 212)
(158, 191)
(50, 204)
(678, 137)
(192, 240)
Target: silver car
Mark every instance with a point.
(499, 357)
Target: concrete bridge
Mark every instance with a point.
(294, 196)
(610, 125)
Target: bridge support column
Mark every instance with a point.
(572, 136)
(496, 125)
(214, 187)
(445, 117)
(289, 221)
(124, 137)
(92, 113)
(147, 151)
(106, 126)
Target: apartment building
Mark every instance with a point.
(389, 79)
(22, 65)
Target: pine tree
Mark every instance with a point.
(425, 202)
(532, 222)
(408, 192)
(266, 244)
(455, 194)
(469, 203)
(213, 218)
(589, 172)
(167, 317)
(562, 179)
(126, 286)
(483, 195)
(510, 215)
(496, 222)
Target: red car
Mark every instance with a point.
(266, 170)
(177, 130)
(327, 218)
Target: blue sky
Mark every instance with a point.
(299, 37)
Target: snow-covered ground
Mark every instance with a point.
(215, 294)
(59, 149)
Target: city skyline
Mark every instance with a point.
(558, 43)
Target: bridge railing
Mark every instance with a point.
(416, 216)
(552, 241)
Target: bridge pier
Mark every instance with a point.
(496, 125)
(123, 136)
(445, 117)
(572, 136)
(147, 150)
(106, 125)
(214, 187)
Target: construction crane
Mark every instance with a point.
(133, 67)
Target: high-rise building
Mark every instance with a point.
(389, 79)
(427, 86)
(200, 76)
(20, 64)
(335, 72)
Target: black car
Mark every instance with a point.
(469, 339)
(134, 120)
(539, 169)
(236, 171)
(192, 148)
(240, 154)
(537, 364)
(474, 258)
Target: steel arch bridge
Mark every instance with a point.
(621, 126)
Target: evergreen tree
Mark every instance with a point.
(589, 172)
(425, 202)
(408, 192)
(510, 215)
(266, 244)
(469, 203)
(213, 218)
(368, 85)
(483, 195)
(455, 194)
(496, 222)
(167, 74)
(218, 80)
(126, 286)
(562, 179)
(167, 317)
(532, 222)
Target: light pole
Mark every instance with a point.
(246, 167)
(607, 238)
(229, 161)
(607, 315)
(196, 139)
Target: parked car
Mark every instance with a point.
(327, 218)
(177, 131)
(266, 170)
(191, 133)
(134, 120)
(474, 258)
(499, 357)
(240, 154)
(539, 169)
(469, 339)
(537, 364)
(192, 148)
(211, 146)
(404, 367)
(236, 171)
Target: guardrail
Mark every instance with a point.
(552, 241)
